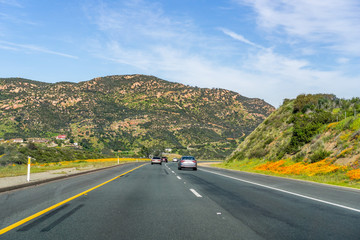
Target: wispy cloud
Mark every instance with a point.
(239, 37)
(32, 48)
(132, 34)
(7, 47)
(332, 23)
(13, 19)
(139, 20)
(13, 3)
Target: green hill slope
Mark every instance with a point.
(130, 113)
(309, 128)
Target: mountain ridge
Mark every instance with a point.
(130, 112)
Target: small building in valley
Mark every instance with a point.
(61, 137)
(38, 140)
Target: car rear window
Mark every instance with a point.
(188, 158)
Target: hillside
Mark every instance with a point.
(307, 129)
(134, 113)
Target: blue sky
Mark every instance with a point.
(268, 49)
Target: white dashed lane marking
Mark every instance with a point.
(195, 192)
(191, 189)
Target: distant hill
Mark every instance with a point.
(309, 128)
(130, 113)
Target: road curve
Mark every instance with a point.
(162, 202)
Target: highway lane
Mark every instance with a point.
(18, 204)
(267, 205)
(338, 195)
(161, 202)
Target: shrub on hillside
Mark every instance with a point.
(2, 150)
(306, 102)
(258, 153)
(299, 157)
(237, 156)
(319, 155)
(305, 127)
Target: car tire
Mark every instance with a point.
(195, 169)
(152, 163)
(160, 163)
(179, 168)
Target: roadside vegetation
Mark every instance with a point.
(19, 153)
(321, 172)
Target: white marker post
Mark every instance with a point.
(28, 172)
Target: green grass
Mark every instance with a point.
(248, 165)
(356, 124)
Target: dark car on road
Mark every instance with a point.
(187, 162)
(156, 160)
(164, 159)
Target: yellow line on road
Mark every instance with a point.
(25, 220)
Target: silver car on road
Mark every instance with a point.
(156, 160)
(187, 162)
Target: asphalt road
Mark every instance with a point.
(161, 202)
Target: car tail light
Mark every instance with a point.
(182, 161)
(194, 161)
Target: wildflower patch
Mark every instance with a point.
(354, 174)
(310, 169)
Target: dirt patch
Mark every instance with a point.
(347, 161)
(331, 146)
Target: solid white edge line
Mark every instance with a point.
(195, 192)
(178, 177)
(284, 191)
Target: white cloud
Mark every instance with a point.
(239, 37)
(343, 60)
(8, 48)
(13, 3)
(14, 19)
(333, 22)
(32, 48)
(139, 22)
(289, 77)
